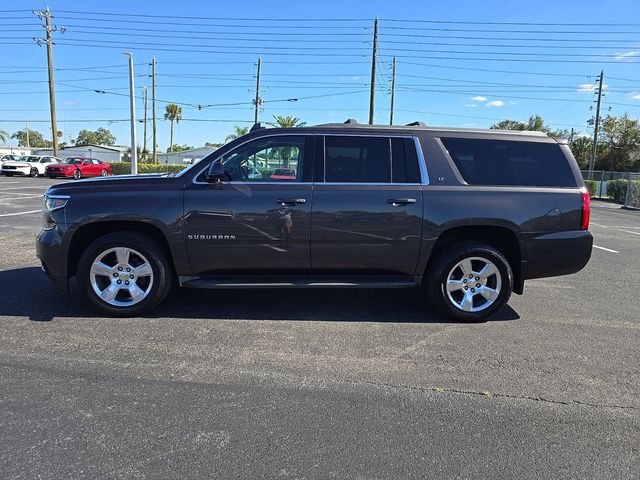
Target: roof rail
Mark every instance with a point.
(416, 124)
(351, 121)
(256, 127)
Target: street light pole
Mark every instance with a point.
(132, 106)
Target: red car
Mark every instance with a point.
(78, 167)
(284, 174)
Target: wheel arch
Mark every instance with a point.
(89, 232)
(503, 238)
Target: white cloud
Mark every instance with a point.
(590, 87)
(479, 98)
(495, 103)
(471, 105)
(623, 55)
(636, 97)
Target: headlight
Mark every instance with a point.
(52, 203)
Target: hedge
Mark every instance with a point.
(617, 189)
(592, 187)
(124, 168)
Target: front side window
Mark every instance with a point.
(272, 159)
(355, 159)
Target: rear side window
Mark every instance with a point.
(357, 159)
(404, 161)
(504, 162)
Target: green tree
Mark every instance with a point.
(581, 148)
(287, 122)
(535, 124)
(142, 155)
(620, 142)
(4, 136)
(31, 138)
(173, 113)
(101, 136)
(180, 148)
(237, 132)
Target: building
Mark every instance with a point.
(187, 157)
(9, 150)
(101, 152)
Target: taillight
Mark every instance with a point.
(586, 210)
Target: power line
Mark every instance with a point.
(118, 14)
(476, 22)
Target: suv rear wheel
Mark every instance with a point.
(470, 281)
(125, 273)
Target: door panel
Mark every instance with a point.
(243, 229)
(355, 230)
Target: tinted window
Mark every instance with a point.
(503, 162)
(278, 158)
(357, 159)
(404, 168)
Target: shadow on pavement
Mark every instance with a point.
(26, 292)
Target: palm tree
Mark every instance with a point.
(173, 113)
(4, 136)
(237, 132)
(287, 122)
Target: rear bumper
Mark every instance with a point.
(559, 253)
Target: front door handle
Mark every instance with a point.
(399, 202)
(291, 201)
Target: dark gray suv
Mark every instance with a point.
(468, 215)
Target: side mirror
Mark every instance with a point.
(215, 174)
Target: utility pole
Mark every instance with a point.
(52, 96)
(374, 56)
(153, 109)
(592, 160)
(258, 100)
(393, 89)
(144, 137)
(27, 129)
(132, 106)
(571, 137)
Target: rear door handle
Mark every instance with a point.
(399, 202)
(291, 201)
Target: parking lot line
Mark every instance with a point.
(629, 231)
(606, 249)
(23, 187)
(20, 213)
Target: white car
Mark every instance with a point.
(7, 157)
(32, 165)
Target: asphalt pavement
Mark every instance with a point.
(320, 384)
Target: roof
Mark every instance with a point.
(105, 147)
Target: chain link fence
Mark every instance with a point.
(621, 187)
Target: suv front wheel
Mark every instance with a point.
(470, 281)
(125, 273)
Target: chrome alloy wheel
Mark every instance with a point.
(473, 284)
(121, 277)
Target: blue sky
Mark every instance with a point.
(449, 74)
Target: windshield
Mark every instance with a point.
(29, 158)
(72, 160)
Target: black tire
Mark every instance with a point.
(104, 172)
(163, 276)
(8, 174)
(34, 172)
(446, 260)
(77, 175)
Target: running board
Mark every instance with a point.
(253, 281)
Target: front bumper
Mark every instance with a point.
(59, 173)
(50, 252)
(16, 171)
(559, 253)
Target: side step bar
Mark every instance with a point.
(276, 281)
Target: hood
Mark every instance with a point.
(18, 163)
(119, 183)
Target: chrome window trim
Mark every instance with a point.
(274, 134)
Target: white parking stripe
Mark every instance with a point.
(606, 249)
(20, 213)
(20, 188)
(628, 231)
(598, 225)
